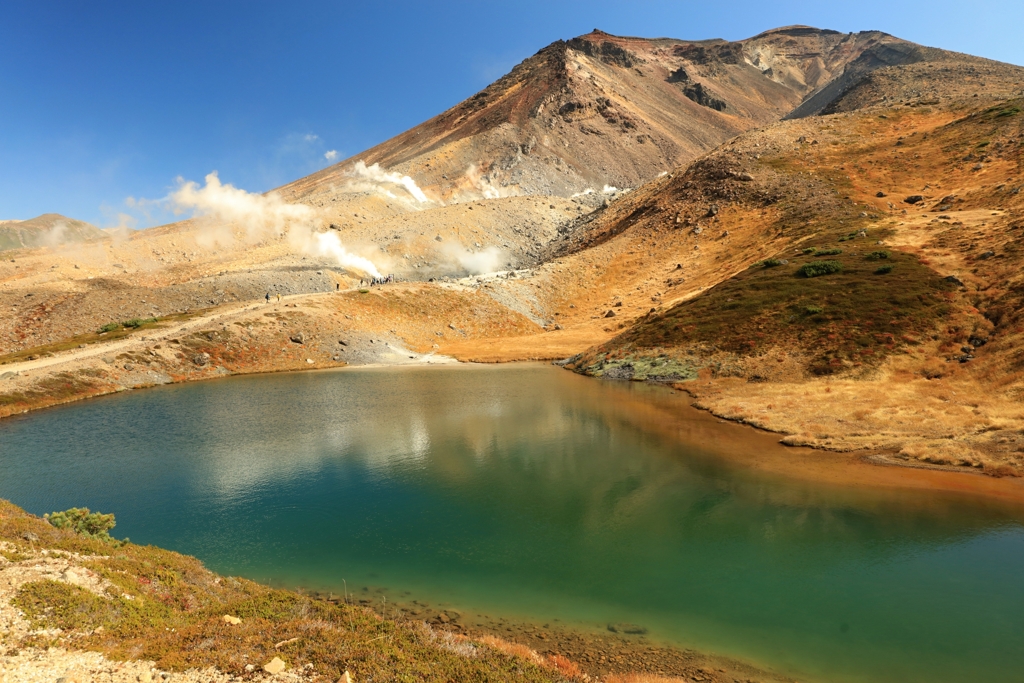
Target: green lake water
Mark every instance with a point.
(532, 493)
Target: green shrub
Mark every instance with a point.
(110, 327)
(364, 291)
(137, 322)
(810, 250)
(813, 310)
(90, 524)
(878, 255)
(818, 268)
(828, 252)
(882, 270)
(769, 263)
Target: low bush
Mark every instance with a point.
(770, 263)
(882, 270)
(813, 310)
(90, 524)
(138, 322)
(828, 252)
(110, 327)
(819, 268)
(878, 255)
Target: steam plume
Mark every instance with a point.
(376, 176)
(259, 215)
(476, 262)
(262, 216)
(328, 244)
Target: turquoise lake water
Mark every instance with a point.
(532, 493)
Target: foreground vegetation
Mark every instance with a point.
(161, 606)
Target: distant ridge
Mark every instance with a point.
(49, 229)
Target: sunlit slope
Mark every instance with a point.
(608, 110)
(916, 209)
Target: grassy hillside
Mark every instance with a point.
(916, 316)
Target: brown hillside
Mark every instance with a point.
(607, 110)
(919, 207)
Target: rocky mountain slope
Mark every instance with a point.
(602, 110)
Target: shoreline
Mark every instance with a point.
(766, 451)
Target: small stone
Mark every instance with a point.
(234, 621)
(443, 618)
(298, 338)
(275, 666)
(146, 677)
(201, 359)
(346, 678)
(914, 199)
(879, 194)
(129, 367)
(610, 314)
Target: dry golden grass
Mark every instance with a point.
(643, 678)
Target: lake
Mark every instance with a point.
(529, 492)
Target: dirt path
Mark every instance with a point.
(158, 334)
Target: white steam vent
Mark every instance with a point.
(261, 216)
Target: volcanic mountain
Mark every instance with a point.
(602, 110)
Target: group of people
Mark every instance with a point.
(364, 282)
(376, 281)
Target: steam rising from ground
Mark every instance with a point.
(328, 244)
(375, 179)
(260, 217)
(482, 184)
(476, 262)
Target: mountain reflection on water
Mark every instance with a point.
(530, 492)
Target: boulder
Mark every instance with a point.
(201, 359)
(275, 666)
(610, 314)
(914, 199)
(234, 621)
(298, 338)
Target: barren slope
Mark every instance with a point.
(606, 110)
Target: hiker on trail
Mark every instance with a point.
(337, 286)
(279, 297)
(268, 297)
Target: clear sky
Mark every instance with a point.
(102, 101)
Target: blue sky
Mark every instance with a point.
(108, 100)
